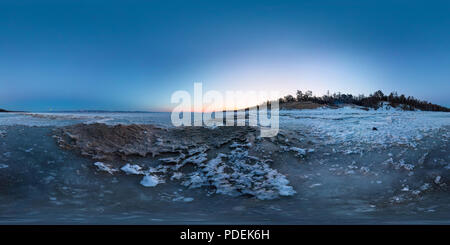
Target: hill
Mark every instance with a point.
(375, 100)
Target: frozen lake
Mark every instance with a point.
(345, 166)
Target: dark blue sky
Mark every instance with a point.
(132, 55)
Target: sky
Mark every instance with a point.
(133, 55)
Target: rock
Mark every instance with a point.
(236, 170)
(118, 142)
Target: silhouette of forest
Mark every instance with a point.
(372, 101)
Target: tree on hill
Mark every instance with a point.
(373, 100)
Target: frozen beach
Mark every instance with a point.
(326, 166)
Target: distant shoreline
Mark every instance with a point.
(292, 105)
(6, 111)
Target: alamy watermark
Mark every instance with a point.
(241, 108)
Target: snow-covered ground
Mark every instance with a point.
(332, 125)
(381, 127)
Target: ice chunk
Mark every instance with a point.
(425, 187)
(364, 170)
(238, 145)
(400, 164)
(132, 169)
(315, 185)
(422, 159)
(104, 167)
(437, 180)
(183, 199)
(176, 176)
(195, 180)
(299, 151)
(150, 181)
(406, 188)
(200, 149)
(175, 160)
(196, 159)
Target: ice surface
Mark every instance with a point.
(69, 118)
(330, 163)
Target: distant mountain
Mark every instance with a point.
(2, 110)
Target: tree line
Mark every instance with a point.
(372, 101)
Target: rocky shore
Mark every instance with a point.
(227, 160)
